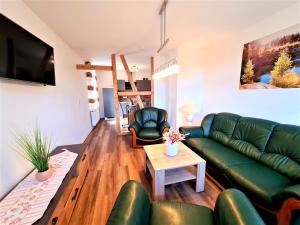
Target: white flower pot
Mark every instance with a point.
(171, 149)
(42, 176)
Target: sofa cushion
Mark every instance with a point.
(198, 144)
(245, 148)
(258, 181)
(283, 151)
(223, 126)
(149, 133)
(216, 154)
(250, 136)
(166, 213)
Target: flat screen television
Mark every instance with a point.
(23, 56)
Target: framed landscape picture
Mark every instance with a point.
(272, 61)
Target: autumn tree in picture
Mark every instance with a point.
(248, 76)
(283, 74)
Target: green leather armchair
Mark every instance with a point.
(149, 126)
(133, 207)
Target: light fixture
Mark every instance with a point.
(167, 69)
(189, 110)
(134, 69)
(163, 18)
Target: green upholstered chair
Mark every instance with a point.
(133, 207)
(148, 126)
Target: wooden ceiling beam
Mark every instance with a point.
(93, 67)
(133, 93)
(130, 79)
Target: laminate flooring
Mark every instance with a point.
(113, 163)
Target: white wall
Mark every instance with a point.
(61, 111)
(189, 80)
(174, 92)
(165, 97)
(209, 76)
(221, 68)
(165, 89)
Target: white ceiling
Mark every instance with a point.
(95, 29)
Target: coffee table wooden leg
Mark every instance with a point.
(200, 180)
(158, 185)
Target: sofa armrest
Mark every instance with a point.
(291, 191)
(135, 126)
(234, 208)
(193, 132)
(290, 206)
(163, 127)
(132, 206)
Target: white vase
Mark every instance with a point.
(171, 149)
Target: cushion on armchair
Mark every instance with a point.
(176, 213)
(150, 117)
(149, 133)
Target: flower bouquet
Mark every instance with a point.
(172, 137)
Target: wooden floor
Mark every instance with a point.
(113, 163)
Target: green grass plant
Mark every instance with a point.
(36, 149)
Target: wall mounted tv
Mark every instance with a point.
(23, 56)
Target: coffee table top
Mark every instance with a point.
(160, 161)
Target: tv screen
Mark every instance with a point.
(23, 56)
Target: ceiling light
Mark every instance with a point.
(168, 69)
(134, 69)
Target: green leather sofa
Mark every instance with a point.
(133, 207)
(148, 126)
(259, 157)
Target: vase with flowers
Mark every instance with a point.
(171, 138)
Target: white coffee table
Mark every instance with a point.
(186, 165)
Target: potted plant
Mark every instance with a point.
(172, 137)
(36, 149)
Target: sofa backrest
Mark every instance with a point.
(282, 152)
(251, 135)
(206, 124)
(274, 145)
(150, 117)
(223, 126)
